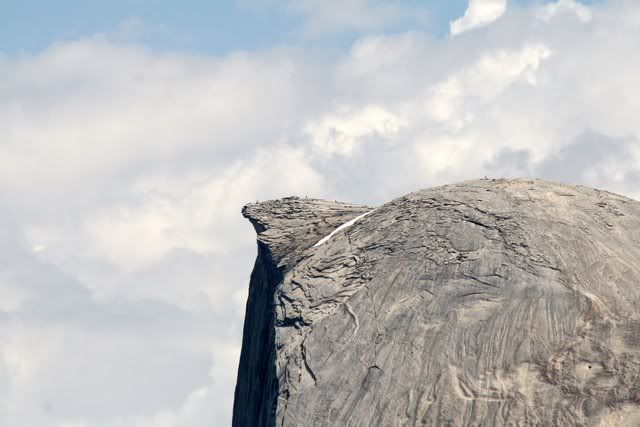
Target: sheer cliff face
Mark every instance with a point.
(286, 229)
(481, 303)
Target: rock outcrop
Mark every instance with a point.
(489, 302)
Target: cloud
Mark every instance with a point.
(479, 13)
(178, 213)
(482, 82)
(67, 356)
(579, 10)
(592, 158)
(123, 171)
(341, 132)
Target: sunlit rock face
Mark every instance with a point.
(488, 302)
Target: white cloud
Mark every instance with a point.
(455, 99)
(154, 106)
(342, 131)
(479, 13)
(13, 295)
(179, 213)
(123, 171)
(550, 10)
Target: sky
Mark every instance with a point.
(132, 132)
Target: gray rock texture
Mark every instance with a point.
(489, 302)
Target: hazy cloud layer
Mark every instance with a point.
(125, 260)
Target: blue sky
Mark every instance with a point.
(202, 26)
(207, 27)
(132, 133)
(198, 26)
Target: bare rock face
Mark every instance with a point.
(489, 302)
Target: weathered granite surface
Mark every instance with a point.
(489, 302)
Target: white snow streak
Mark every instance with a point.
(342, 227)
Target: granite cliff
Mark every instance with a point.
(488, 302)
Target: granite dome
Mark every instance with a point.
(488, 302)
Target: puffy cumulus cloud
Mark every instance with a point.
(171, 213)
(69, 359)
(454, 100)
(340, 132)
(581, 11)
(125, 259)
(132, 109)
(479, 13)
